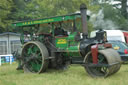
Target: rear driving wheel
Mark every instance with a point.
(34, 56)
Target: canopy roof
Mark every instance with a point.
(70, 17)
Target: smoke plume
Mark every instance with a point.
(99, 22)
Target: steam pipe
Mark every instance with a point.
(83, 10)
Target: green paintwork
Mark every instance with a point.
(48, 20)
(69, 45)
(71, 36)
(32, 50)
(62, 42)
(73, 48)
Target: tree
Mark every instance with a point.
(5, 9)
(46, 8)
(18, 11)
(124, 8)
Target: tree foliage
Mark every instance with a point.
(116, 16)
(124, 8)
(5, 10)
(46, 8)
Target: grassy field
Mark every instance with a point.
(75, 75)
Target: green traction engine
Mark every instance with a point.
(56, 48)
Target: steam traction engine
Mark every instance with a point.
(58, 48)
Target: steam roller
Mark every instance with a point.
(59, 48)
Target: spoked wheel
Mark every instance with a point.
(108, 63)
(34, 56)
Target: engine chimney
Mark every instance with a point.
(83, 10)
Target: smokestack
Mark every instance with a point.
(83, 10)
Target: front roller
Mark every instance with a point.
(34, 56)
(109, 62)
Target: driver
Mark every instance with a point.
(59, 31)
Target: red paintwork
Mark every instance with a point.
(94, 50)
(61, 36)
(126, 36)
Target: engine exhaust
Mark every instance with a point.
(83, 10)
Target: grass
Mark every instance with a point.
(75, 75)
